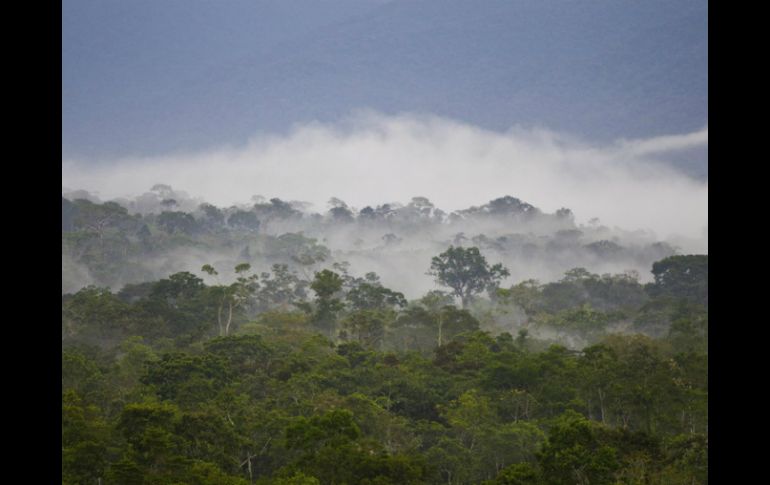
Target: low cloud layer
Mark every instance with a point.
(371, 159)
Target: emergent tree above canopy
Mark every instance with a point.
(466, 271)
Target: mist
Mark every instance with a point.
(371, 158)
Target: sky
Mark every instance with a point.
(598, 106)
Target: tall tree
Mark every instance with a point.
(326, 285)
(233, 296)
(682, 277)
(466, 271)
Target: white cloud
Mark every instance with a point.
(665, 144)
(371, 159)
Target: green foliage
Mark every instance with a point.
(682, 277)
(244, 220)
(95, 313)
(332, 429)
(366, 327)
(518, 474)
(326, 286)
(297, 248)
(583, 320)
(98, 218)
(85, 438)
(244, 353)
(373, 296)
(82, 374)
(212, 214)
(574, 453)
(187, 379)
(298, 478)
(172, 222)
(466, 272)
(283, 289)
(379, 391)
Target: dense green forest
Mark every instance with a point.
(271, 352)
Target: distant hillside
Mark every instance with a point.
(163, 232)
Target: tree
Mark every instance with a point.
(233, 296)
(466, 271)
(176, 221)
(373, 308)
(244, 220)
(189, 380)
(575, 454)
(599, 367)
(244, 353)
(366, 326)
(326, 285)
(281, 290)
(450, 459)
(95, 312)
(84, 440)
(517, 474)
(340, 212)
(179, 304)
(212, 214)
(682, 277)
(276, 210)
(371, 295)
(433, 321)
(526, 295)
(98, 218)
(298, 249)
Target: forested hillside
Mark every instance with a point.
(391, 344)
(165, 231)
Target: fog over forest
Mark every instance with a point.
(372, 158)
(165, 231)
(384, 242)
(385, 194)
(166, 295)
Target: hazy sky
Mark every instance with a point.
(148, 77)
